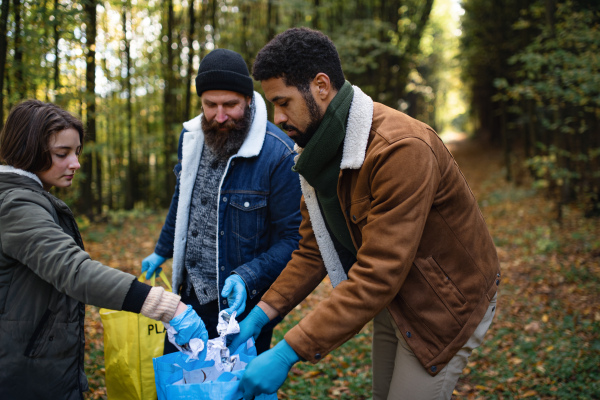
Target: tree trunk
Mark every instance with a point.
(190, 66)
(271, 10)
(56, 69)
(90, 158)
(214, 19)
(18, 66)
(412, 48)
(129, 172)
(4, 9)
(245, 11)
(505, 141)
(169, 106)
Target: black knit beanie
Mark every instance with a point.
(224, 69)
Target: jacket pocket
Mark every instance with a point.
(42, 336)
(357, 215)
(442, 285)
(248, 215)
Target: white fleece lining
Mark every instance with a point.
(358, 127)
(193, 142)
(359, 123)
(330, 257)
(13, 170)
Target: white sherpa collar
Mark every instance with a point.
(13, 170)
(358, 127)
(256, 136)
(360, 118)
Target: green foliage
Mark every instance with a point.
(146, 57)
(558, 76)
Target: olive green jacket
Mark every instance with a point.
(45, 279)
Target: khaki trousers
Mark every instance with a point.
(397, 374)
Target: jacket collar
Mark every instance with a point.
(360, 119)
(13, 170)
(256, 136)
(358, 127)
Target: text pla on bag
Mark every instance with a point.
(156, 329)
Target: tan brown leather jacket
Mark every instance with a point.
(424, 251)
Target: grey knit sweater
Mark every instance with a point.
(201, 248)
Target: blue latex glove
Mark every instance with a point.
(267, 372)
(249, 327)
(151, 263)
(235, 291)
(189, 325)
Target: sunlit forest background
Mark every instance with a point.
(522, 75)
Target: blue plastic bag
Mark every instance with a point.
(169, 373)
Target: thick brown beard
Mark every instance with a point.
(226, 143)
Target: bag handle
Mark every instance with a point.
(162, 276)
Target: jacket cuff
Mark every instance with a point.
(249, 279)
(135, 297)
(160, 304)
(163, 251)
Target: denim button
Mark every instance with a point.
(222, 233)
(246, 204)
(222, 268)
(254, 292)
(225, 199)
(225, 302)
(433, 369)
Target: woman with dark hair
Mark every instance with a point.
(46, 277)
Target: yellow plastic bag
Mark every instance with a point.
(131, 341)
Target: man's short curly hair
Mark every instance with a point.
(298, 55)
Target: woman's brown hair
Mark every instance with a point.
(24, 140)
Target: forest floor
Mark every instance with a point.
(544, 342)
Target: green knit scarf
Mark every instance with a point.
(320, 162)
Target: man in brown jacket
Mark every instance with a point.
(388, 215)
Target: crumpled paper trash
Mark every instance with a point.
(216, 348)
(191, 349)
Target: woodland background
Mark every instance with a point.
(519, 78)
(519, 74)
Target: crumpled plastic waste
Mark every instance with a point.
(191, 349)
(217, 348)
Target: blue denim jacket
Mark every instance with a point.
(259, 214)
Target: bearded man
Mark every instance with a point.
(233, 221)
